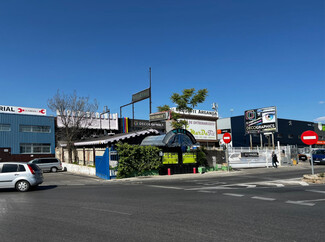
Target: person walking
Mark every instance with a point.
(274, 160)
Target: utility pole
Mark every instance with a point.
(150, 90)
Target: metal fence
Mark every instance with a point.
(245, 157)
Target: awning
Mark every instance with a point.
(174, 138)
(116, 138)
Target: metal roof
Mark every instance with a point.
(115, 138)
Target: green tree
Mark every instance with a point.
(185, 102)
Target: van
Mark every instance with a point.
(319, 156)
(48, 164)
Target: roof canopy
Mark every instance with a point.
(115, 138)
(174, 138)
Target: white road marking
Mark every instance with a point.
(300, 203)
(264, 198)
(166, 187)
(207, 191)
(233, 194)
(208, 188)
(315, 191)
(106, 210)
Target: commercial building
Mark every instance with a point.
(288, 133)
(25, 133)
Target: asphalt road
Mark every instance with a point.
(250, 205)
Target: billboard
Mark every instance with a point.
(22, 110)
(94, 122)
(201, 129)
(261, 120)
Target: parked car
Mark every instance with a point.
(19, 175)
(319, 156)
(48, 164)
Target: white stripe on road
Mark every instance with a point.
(166, 187)
(264, 198)
(106, 210)
(300, 203)
(315, 191)
(233, 194)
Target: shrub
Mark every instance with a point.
(135, 159)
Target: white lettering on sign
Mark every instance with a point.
(226, 137)
(308, 137)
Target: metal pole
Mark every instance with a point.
(120, 112)
(132, 116)
(273, 140)
(109, 120)
(227, 156)
(150, 90)
(311, 160)
(261, 139)
(251, 141)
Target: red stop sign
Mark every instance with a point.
(226, 138)
(309, 137)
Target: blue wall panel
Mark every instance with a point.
(12, 139)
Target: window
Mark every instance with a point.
(21, 168)
(279, 136)
(35, 129)
(290, 136)
(5, 127)
(35, 148)
(9, 168)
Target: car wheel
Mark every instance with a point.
(54, 169)
(22, 186)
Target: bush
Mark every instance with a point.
(202, 157)
(135, 159)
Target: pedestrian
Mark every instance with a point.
(274, 160)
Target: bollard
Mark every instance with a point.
(194, 170)
(168, 171)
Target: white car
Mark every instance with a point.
(20, 175)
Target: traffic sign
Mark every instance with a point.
(309, 137)
(227, 138)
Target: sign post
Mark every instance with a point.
(227, 139)
(310, 138)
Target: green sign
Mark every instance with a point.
(141, 95)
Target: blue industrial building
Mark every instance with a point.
(24, 137)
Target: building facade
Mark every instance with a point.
(25, 134)
(289, 133)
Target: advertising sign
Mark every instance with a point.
(22, 110)
(202, 130)
(197, 112)
(160, 116)
(141, 95)
(96, 123)
(170, 158)
(261, 120)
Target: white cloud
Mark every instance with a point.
(320, 119)
(321, 102)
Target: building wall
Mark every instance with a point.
(289, 132)
(13, 138)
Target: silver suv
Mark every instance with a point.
(20, 175)
(48, 164)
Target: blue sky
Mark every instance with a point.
(248, 54)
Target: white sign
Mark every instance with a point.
(22, 110)
(202, 130)
(197, 112)
(97, 123)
